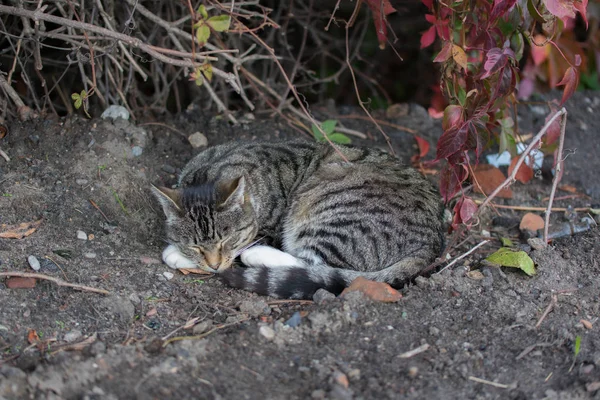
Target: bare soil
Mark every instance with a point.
(483, 335)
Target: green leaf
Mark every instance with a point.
(515, 259)
(506, 242)
(339, 138)
(595, 211)
(78, 100)
(202, 11)
(329, 126)
(202, 34)
(316, 133)
(577, 345)
(219, 23)
(207, 70)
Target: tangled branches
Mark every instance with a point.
(158, 56)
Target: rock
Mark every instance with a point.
(114, 112)
(202, 327)
(536, 243)
(72, 336)
(120, 307)
(168, 275)
(341, 379)
(168, 169)
(377, 291)
(33, 263)
(267, 332)
(322, 296)
(198, 140)
(413, 372)
(89, 255)
(255, 308)
(294, 320)
(81, 182)
(81, 235)
(433, 331)
(318, 394)
(136, 151)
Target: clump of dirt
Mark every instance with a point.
(458, 334)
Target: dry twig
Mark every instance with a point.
(58, 281)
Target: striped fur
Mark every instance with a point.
(333, 220)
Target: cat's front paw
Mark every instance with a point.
(174, 259)
(259, 256)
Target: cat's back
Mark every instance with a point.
(257, 158)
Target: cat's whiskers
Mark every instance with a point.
(240, 251)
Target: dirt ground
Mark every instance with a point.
(475, 332)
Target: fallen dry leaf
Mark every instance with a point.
(568, 188)
(196, 271)
(19, 231)
(32, 336)
(592, 386)
(489, 178)
(531, 222)
(20, 283)
(151, 312)
(377, 291)
(341, 379)
(586, 323)
(525, 172)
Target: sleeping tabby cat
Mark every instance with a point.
(334, 220)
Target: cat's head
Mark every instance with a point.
(210, 223)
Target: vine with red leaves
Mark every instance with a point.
(482, 43)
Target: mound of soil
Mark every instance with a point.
(489, 333)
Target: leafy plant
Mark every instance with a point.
(79, 100)
(482, 44)
(204, 26)
(328, 127)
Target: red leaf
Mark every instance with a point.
(423, 146)
(445, 53)
(453, 116)
(452, 141)
(428, 3)
(553, 132)
(501, 7)
(581, 7)
(561, 8)
(380, 9)
(540, 53)
(570, 80)
(428, 37)
(451, 177)
(525, 173)
(467, 209)
(495, 60)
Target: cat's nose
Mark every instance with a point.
(213, 259)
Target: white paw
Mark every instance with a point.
(174, 259)
(270, 257)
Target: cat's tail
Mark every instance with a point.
(295, 279)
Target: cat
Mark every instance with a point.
(335, 213)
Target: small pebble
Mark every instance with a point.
(536, 243)
(198, 140)
(81, 182)
(413, 372)
(114, 112)
(81, 235)
(72, 336)
(202, 327)
(91, 236)
(267, 332)
(485, 233)
(136, 151)
(322, 296)
(168, 275)
(89, 255)
(294, 320)
(168, 169)
(34, 263)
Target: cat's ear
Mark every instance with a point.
(169, 199)
(232, 191)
